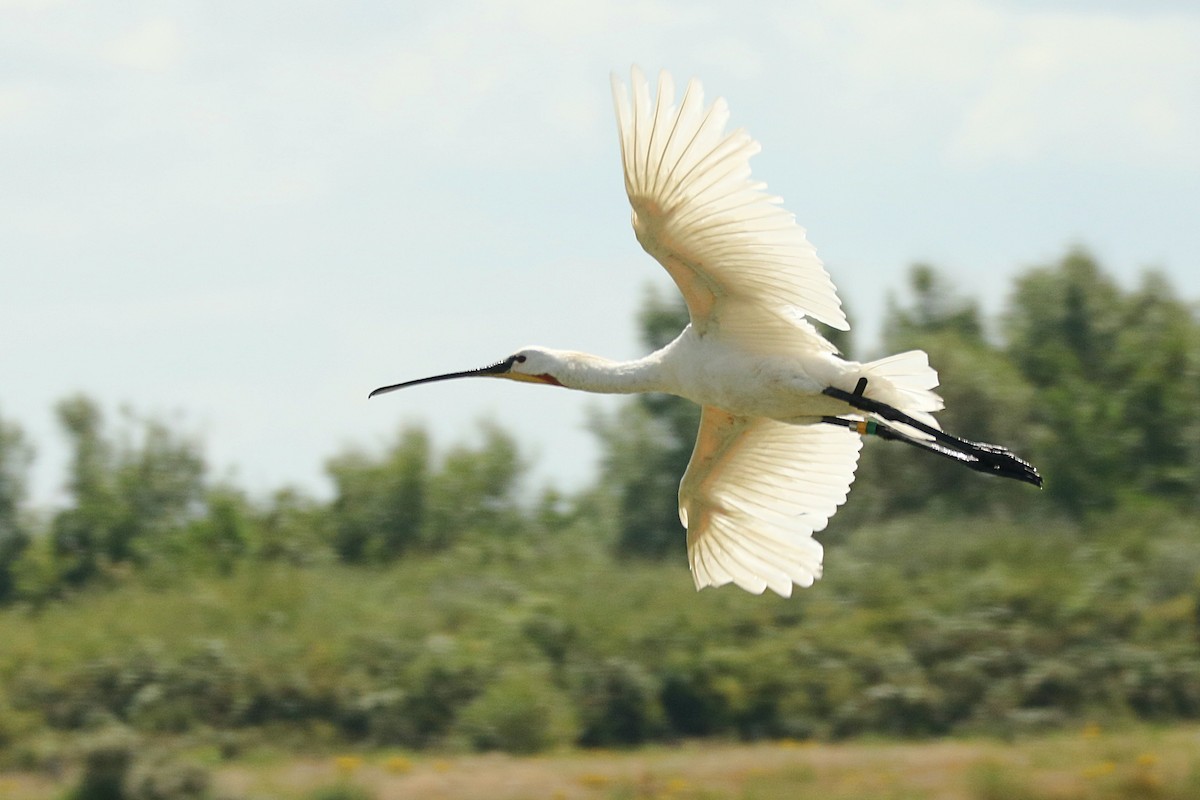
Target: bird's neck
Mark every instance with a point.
(590, 373)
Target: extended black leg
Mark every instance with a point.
(979, 456)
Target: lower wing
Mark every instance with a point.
(754, 493)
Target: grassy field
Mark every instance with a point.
(329, 682)
(1155, 764)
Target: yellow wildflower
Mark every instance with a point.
(397, 764)
(1100, 770)
(347, 764)
(593, 780)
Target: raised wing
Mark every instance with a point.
(754, 493)
(739, 259)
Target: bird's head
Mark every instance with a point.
(535, 365)
(530, 364)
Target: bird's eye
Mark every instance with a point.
(519, 359)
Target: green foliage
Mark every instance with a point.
(442, 678)
(79, 533)
(1065, 320)
(106, 761)
(340, 791)
(126, 496)
(1100, 388)
(223, 536)
(952, 603)
(1158, 356)
(618, 702)
(402, 501)
(117, 765)
(520, 711)
(380, 504)
(1118, 384)
(936, 309)
(990, 780)
(475, 490)
(167, 778)
(923, 626)
(293, 528)
(642, 462)
(15, 457)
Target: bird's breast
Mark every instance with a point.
(777, 387)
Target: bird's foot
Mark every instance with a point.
(979, 456)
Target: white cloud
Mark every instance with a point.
(27, 5)
(452, 87)
(1090, 87)
(397, 165)
(15, 102)
(988, 81)
(154, 45)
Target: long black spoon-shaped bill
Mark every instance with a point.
(499, 368)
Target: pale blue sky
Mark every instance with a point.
(251, 214)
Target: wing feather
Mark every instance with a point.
(729, 246)
(754, 493)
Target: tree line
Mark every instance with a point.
(1096, 384)
(434, 602)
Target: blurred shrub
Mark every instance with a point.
(106, 760)
(15, 457)
(340, 791)
(441, 680)
(150, 690)
(403, 500)
(923, 630)
(550, 633)
(694, 700)
(379, 508)
(166, 778)
(991, 780)
(382, 716)
(895, 710)
(521, 711)
(618, 703)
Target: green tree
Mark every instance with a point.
(1062, 327)
(1157, 364)
(1117, 378)
(379, 507)
(1064, 320)
(80, 531)
(476, 489)
(224, 535)
(126, 496)
(292, 527)
(15, 457)
(401, 501)
(159, 480)
(936, 308)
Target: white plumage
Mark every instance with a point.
(779, 429)
(756, 489)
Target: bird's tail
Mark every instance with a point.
(905, 381)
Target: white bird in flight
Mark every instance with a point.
(782, 414)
